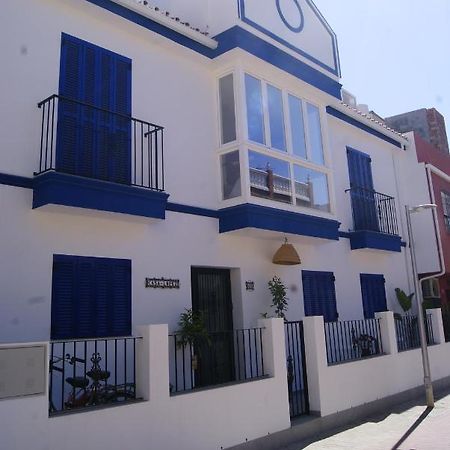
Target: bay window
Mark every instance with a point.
(282, 142)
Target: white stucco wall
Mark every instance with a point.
(205, 420)
(176, 88)
(339, 387)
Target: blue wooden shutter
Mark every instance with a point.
(93, 143)
(91, 297)
(319, 295)
(63, 301)
(373, 294)
(362, 191)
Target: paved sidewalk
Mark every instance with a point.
(410, 427)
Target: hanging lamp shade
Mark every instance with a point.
(286, 255)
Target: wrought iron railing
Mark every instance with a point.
(201, 361)
(81, 139)
(91, 372)
(373, 211)
(352, 340)
(407, 331)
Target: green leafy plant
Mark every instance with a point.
(279, 299)
(404, 300)
(192, 328)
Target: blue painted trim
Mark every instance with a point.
(286, 23)
(230, 39)
(344, 234)
(16, 180)
(334, 70)
(265, 218)
(351, 121)
(374, 240)
(194, 210)
(403, 244)
(70, 190)
(238, 37)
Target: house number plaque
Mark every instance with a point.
(162, 283)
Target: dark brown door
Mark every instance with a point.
(211, 295)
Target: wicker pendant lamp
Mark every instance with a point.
(286, 255)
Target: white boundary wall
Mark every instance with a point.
(210, 419)
(342, 386)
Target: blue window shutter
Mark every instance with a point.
(91, 297)
(93, 143)
(63, 298)
(362, 193)
(373, 294)
(319, 294)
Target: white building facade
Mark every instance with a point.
(170, 156)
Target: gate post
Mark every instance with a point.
(316, 359)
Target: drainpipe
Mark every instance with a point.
(428, 170)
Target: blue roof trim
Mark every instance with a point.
(375, 240)
(235, 37)
(254, 216)
(16, 180)
(334, 70)
(351, 121)
(238, 37)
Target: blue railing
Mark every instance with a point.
(407, 331)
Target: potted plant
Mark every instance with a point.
(404, 300)
(279, 298)
(192, 331)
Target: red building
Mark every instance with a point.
(438, 170)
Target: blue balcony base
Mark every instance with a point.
(273, 219)
(375, 240)
(70, 190)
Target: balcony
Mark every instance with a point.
(100, 160)
(374, 221)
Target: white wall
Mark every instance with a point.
(204, 420)
(174, 87)
(342, 386)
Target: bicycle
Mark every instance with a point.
(91, 389)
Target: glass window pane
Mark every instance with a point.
(311, 188)
(269, 177)
(276, 119)
(297, 127)
(315, 134)
(255, 117)
(227, 112)
(231, 175)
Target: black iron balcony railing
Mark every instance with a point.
(217, 358)
(352, 340)
(373, 211)
(85, 140)
(407, 331)
(91, 372)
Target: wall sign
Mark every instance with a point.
(250, 285)
(162, 283)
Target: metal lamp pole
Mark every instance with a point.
(423, 338)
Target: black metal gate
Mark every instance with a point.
(296, 368)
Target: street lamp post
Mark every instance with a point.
(420, 317)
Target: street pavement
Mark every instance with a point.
(409, 427)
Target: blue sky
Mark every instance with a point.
(395, 54)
